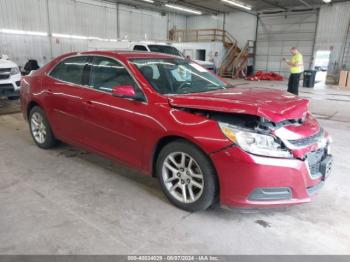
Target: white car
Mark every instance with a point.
(10, 79)
(166, 49)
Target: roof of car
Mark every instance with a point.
(130, 54)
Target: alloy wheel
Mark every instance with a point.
(38, 128)
(183, 177)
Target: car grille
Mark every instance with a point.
(5, 73)
(6, 89)
(309, 140)
(314, 160)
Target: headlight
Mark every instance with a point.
(15, 71)
(254, 143)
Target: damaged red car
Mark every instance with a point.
(204, 139)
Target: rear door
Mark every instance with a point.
(65, 88)
(114, 126)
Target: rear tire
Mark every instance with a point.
(40, 129)
(187, 176)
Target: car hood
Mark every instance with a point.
(7, 64)
(274, 105)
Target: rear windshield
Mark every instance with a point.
(165, 49)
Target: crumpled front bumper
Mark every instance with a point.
(249, 181)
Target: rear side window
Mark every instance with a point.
(108, 73)
(140, 48)
(71, 70)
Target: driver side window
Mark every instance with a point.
(107, 73)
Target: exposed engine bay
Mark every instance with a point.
(246, 121)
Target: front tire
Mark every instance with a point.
(187, 176)
(40, 129)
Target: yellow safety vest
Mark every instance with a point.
(298, 59)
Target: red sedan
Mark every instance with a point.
(204, 139)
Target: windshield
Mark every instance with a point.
(177, 76)
(165, 49)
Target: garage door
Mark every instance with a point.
(346, 54)
(278, 33)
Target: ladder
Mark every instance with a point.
(236, 61)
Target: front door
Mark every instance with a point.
(115, 126)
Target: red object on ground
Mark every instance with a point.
(261, 75)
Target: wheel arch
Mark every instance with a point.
(30, 106)
(169, 139)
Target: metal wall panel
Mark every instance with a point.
(23, 14)
(242, 26)
(175, 20)
(20, 48)
(138, 24)
(83, 18)
(331, 32)
(88, 18)
(205, 22)
(278, 33)
(29, 16)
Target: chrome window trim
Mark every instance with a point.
(48, 74)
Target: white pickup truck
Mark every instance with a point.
(10, 79)
(167, 49)
(146, 46)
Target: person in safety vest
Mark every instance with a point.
(296, 65)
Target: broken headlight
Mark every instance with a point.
(255, 143)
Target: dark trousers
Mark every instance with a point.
(293, 83)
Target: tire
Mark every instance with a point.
(40, 129)
(178, 173)
(12, 98)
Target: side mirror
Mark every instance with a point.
(126, 92)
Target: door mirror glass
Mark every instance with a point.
(124, 91)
